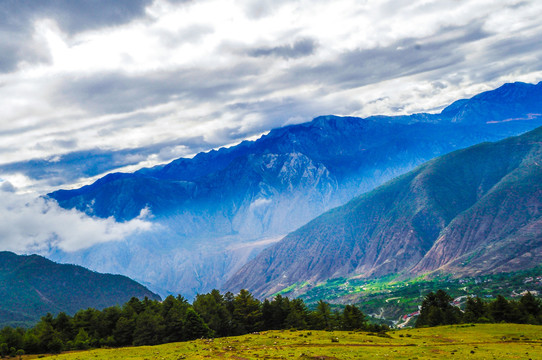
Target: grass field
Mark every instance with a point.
(491, 341)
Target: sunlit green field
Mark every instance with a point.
(491, 341)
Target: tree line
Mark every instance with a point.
(437, 309)
(151, 322)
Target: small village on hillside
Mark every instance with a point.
(531, 284)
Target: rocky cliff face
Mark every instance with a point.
(252, 193)
(473, 211)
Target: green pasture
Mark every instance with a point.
(480, 341)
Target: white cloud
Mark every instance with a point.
(259, 203)
(214, 72)
(37, 225)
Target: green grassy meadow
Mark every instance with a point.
(481, 341)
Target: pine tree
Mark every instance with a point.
(438, 310)
(82, 340)
(352, 318)
(531, 309)
(212, 309)
(124, 330)
(475, 310)
(149, 329)
(174, 322)
(194, 326)
(247, 312)
(297, 316)
(280, 309)
(64, 325)
(322, 318)
(501, 310)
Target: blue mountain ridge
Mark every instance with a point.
(475, 211)
(218, 209)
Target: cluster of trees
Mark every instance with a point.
(150, 322)
(437, 309)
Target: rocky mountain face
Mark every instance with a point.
(31, 286)
(471, 212)
(219, 209)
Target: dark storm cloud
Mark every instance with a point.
(300, 48)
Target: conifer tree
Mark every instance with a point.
(352, 318)
(195, 327)
(475, 310)
(247, 312)
(438, 310)
(148, 329)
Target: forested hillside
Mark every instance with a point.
(31, 286)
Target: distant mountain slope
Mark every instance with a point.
(31, 286)
(474, 211)
(220, 208)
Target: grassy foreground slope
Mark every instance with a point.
(488, 341)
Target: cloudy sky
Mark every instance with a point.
(90, 86)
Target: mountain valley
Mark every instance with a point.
(472, 212)
(218, 210)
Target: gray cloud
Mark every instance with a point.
(15, 47)
(70, 167)
(72, 15)
(113, 92)
(6, 186)
(300, 48)
(504, 48)
(17, 17)
(406, 57)
(77, 165)
(258, 9)
(190, 34)
(117, 93)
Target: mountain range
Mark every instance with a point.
(217, 210)
(475, 211)
(31, 286)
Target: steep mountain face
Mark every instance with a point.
(220, 208)
(31, 286)
(474, 211)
